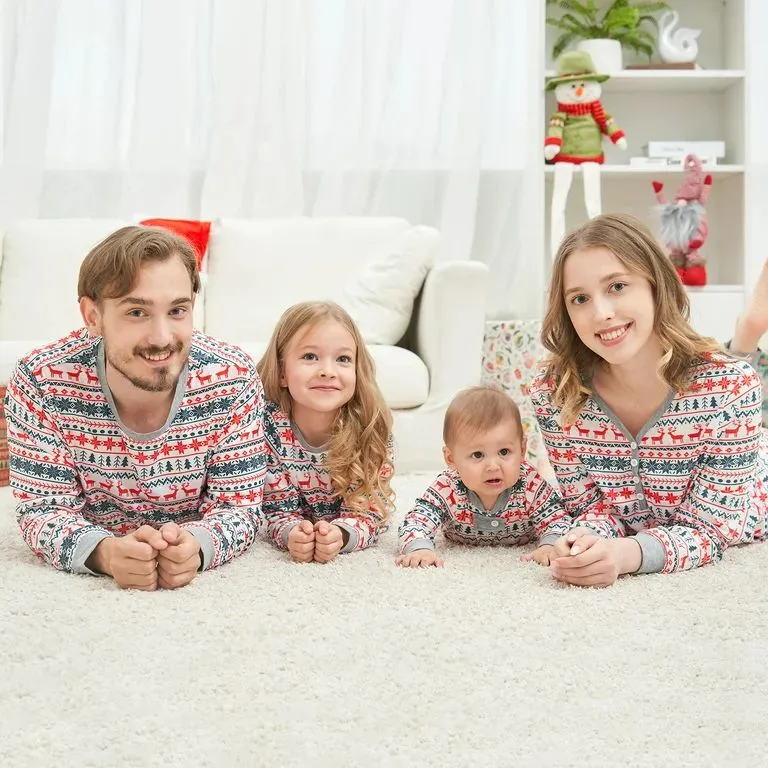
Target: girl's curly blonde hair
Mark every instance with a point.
(635, 247)
(358, 457)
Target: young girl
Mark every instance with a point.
(654, 432)
(328, 434)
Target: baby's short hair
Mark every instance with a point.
(478, 409)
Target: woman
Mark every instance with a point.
(653, 431)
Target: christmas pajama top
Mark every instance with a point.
(531, 509)
(688, 485)
(80, 475)
(298, 487)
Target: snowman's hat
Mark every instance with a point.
(574, 65)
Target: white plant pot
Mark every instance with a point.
(605, 54)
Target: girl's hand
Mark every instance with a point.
(301, 542)
(595, 563)
(328, 541)
(420, 558)
(541, 555)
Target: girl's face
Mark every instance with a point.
(318, 368)
(611, 309)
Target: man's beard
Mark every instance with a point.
(162, 381)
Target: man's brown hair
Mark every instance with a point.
(111, 268)
(479, 409)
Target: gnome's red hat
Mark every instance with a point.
(196, 232)
(691, 188)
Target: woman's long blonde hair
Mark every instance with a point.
(358, 457)
(634, 245)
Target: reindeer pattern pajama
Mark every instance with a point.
(693, 481)
(298, 487)
(530, 510)
(80, 475)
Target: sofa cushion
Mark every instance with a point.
(402, 376)
(40, 263)
(258, 268)
(380, 296)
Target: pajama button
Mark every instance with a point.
(633, 462)
(633, 446)
(495, 523)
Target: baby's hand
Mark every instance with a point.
(420, 558)
(301, 542)
(541, 555)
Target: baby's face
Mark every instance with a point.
(488, 462)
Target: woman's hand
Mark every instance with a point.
(595, 564)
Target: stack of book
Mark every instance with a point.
(663, 154)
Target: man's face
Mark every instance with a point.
(147, 333)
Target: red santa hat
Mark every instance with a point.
(196, 232)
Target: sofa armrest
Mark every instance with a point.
(450, 322)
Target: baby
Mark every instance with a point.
(490, 494)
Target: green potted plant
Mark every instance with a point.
(605, 32)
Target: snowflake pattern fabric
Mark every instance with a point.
(298, 487)
(530, 510)
(79, 475)
(689, 484)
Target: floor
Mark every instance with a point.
(358, 663)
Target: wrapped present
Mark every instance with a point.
(512, 351)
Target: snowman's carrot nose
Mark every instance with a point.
(579, 91)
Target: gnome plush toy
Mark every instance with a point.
(575, 136)
(684, 225)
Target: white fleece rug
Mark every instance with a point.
(358, 663)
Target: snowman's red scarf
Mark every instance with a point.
(595, 108)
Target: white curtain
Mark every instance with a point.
(253, 108)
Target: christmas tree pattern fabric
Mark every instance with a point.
(298, 487)
(530, 510)
(692, 481)
(80, 475)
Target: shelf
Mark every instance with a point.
(670, 80)
(620, 171)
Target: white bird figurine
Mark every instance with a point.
(676, 45)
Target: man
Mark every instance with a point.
(136, 444)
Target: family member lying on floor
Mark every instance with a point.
(328, 433)
(136, 444)
(490, 495)
(654, 432)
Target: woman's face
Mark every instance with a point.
(612, 309)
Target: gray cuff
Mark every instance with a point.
(652, 553)
(415, 544)
(207, 550)
(351, 544)
(548, 539)
(87, 541)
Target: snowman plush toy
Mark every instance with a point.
(575, 136)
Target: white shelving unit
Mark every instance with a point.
(719, 100)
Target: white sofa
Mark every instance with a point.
(423, 321)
